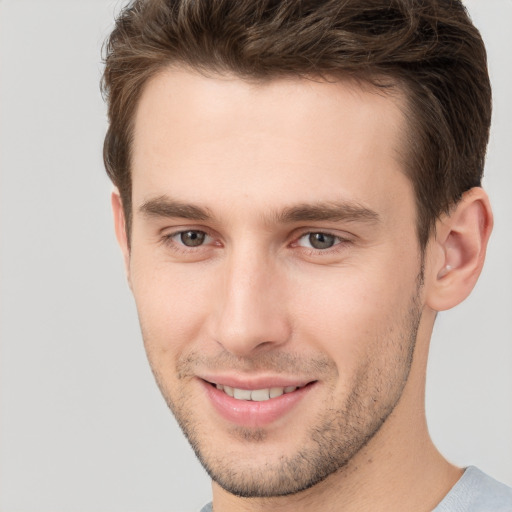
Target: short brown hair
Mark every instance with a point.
(428, 49)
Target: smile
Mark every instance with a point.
(258, 403)
(256, 395)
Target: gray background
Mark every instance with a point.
(82, 425)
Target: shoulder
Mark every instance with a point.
(207, 508)
(477, 492)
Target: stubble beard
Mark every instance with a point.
(340, 431)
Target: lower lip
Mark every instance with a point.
(248, 413)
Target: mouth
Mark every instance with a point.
(257, 395)
(255, 404)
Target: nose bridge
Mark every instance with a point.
(251, 312)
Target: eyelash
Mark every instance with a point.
(168, 240)
(339, 242)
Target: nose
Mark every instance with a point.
(251, 307)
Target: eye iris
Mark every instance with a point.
(192, 238)
(321, 240)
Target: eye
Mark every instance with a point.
(318, 241)
(191, 238)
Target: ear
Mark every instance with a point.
(458, 250)
(120, 229)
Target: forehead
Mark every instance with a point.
(205, 138)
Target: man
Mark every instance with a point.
(298, 195)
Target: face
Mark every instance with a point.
(276, 270)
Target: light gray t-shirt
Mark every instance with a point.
(477, 492)
(474, 492)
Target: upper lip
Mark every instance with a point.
(256, 382)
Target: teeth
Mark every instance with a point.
(260, 395)
(275, 392)
(256, 395)
(242, 394)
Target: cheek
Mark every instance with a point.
(348, 312)
(172, 306)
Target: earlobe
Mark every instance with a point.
(459, 250)
(120, 229)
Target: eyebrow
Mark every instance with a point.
(164, 206)
(345, 211)
(334, 211)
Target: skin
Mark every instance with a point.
(255, 167)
